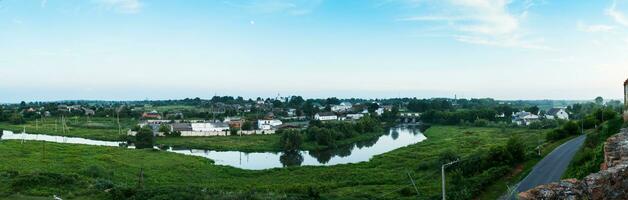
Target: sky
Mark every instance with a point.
(157, 49)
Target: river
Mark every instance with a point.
(394, 138)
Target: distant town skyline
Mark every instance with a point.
(135, 49)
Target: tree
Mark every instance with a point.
(599, 100)
(277, 104)
(144, 138)
(290, 140)
(332, 101)
(17, 119)
(247, 126)
(295, 101)
(372, 107)
(533, 109)
(165, 129)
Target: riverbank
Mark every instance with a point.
(383, 177)
(260, 143)
(89, 128)
(252, 143)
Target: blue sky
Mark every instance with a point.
(140, 49)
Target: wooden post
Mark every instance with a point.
(140, 183)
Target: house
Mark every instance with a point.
(209, 126)
(181, 127)
(387, 107)
(557, 113)
(268, 124)
(355, 116)
(63, 108)
(325, 116)
(234, 122)
(379, 111)
(151, 115)
(291, 112)
(524, 118)
(344, 106)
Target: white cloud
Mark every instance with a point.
(595, 27)
(123, 6)
(485, 22)
(618, 16)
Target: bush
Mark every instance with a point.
(103, 184)
(290, 140)
(26, 181)
(96, 171)
(233, 131)
(144, 138)
(481, 123)
(165, 129)
(517, 149)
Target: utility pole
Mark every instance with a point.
(442, 170)
(119, 128)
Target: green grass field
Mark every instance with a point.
(248, 143)
(384, 177)
(90, 128)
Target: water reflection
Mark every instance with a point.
(359, 152)
(290, 159)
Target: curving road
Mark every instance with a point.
(552, 167)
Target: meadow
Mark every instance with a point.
(96, 128)
(383, 177)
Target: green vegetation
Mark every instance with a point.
(91, 169)
(591, 156)
(245, 143)
(570, 128)
(144, 138)
(291, 140)
(326, 135)
(500, 186)
(90, 128)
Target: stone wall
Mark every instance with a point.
(610, 183)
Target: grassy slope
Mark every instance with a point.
(382, 177)
(94, 128)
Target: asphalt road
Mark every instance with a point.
(552, 167)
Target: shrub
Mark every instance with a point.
(516, 148)
(96, 171)
(481, 123)
(290, 140)
(144, 138)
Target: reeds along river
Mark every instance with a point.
(394, 138)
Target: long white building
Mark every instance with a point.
(268, 124)
(209, 126)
